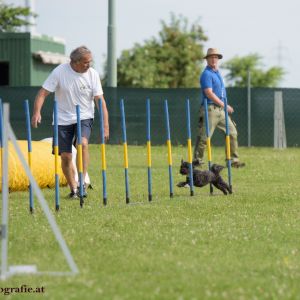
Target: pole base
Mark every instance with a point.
(127, 200)
(150, 198)
(81, 201)
(171, 195)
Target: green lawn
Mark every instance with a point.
(242, 246)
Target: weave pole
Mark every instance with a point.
(79, 155)
(227, 143)
(189, 144)
(169, 147)
(29, 148)
(125, 150)
(208, 144)
(103, 156)
(55, 148)
(149, 150)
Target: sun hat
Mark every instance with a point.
(213, 51)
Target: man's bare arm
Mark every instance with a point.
(38, 103)
(105, 115)
(213, 97)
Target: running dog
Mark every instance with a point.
(202, 178)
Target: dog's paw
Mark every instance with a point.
(182, 184)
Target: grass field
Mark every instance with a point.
(242, 246)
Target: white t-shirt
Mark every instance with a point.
(72, 88)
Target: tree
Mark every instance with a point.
(13, 18)
(238, 72)
(172, 60)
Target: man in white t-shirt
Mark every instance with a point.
(74, 83)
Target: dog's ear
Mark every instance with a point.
(182, 161)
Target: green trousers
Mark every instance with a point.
(216, 119)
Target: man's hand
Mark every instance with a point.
(230, 109)
(36, 119)
(38, 103)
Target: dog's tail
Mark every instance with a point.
(216, 169)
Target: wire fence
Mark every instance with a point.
(261, 123)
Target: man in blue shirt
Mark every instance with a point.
(213, 90)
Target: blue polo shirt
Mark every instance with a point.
(212, 79)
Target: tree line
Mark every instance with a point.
(173, 59)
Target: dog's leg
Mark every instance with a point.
(225, 185)
(220, 187)
(184, 183)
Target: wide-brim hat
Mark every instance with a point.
(213, 51)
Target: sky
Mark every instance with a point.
(235, 27)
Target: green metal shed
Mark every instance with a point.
(27, 60)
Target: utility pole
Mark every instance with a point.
(30, 19)
(111, 45)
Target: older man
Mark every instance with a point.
(74, 83)
(213, 90)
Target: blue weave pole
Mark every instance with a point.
(227, 142)
(208, 143)
(79, 156)
(29, 148)
(148, 113)
(169, 147)
(125, 150)
(103, 156)
(55, 147)
(189, 144)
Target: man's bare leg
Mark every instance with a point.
(68, 170)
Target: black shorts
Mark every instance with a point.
(67, 135)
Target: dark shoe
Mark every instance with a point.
(237, 164)
(73, 195)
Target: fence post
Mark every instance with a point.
(249, 108)
(279, 124)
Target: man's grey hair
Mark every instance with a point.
(77, 54)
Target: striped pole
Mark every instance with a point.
(103, 156)
(149, 150)
(55, 146)
(208, 141)
(169, 147)
(29, 147)
(189, 144)
(79, 155)
(1, 138)
(227, 142)
(125, 150)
